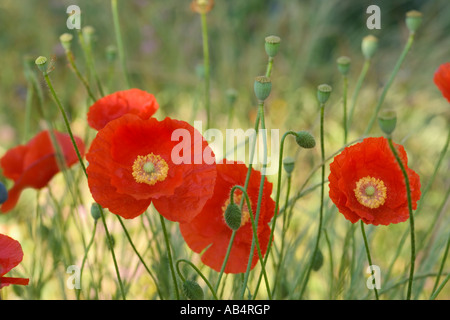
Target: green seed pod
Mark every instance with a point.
(369, 46)
(413, 20)
(318, 261)
(343, 64)
(192, 290)
(233, 216)
(272, 45)
(96, 212)
(387, 121)
(288, 165)
(41, 63)
(262, 87)
(323, 93)
(66, 40)
(305, 140)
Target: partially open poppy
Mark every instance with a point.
(442, 79)
(11, 255)
(366, 183)
(33, 165)
(117, 104)
(209, 232)
(135, 162)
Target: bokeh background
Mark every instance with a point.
(163, 47)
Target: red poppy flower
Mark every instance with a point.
(117, 104)
(135, 162)
(442, 79)
(366, 183)
(209, 232)
(33, 165)
(11, 255)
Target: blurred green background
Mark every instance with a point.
(163, 47)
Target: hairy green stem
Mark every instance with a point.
(169, 256)
(366, 244)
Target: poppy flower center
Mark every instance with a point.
(150, 169)
(370, 192)
(237, 199)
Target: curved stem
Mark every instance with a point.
(390, 81)
(198, 272)
(411, 217)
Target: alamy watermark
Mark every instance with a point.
(374, 280)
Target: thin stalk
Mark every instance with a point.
(86, 254)
(139, 256)
(169, 256)
(435, 294)
(85, 83)
(441, 267)
(345, 124)
(58, 102)
(390, 81)
(119, 41)
(269, 67)
(411, 218)
(358, 86)
(206, 69)
(260, 195)
(330, 253)
(366, 244)
(319, 231)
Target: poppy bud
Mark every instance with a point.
(192, 290)
(305, 140)
(413, 20)
(387, 120)
(96, 211)
(233, 216)
(318, 261)
(262, 87)
(66, 41)
(272, 45)
(369, 46)
(343, 64)
(41, 63)
(288, 165)
(323, 93)
(3, 193)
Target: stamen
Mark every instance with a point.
(370, 192)
(150, 169)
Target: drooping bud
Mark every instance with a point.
(288, 165)
(3, 193)
(318, 261)
(323, 92)
(233, 216)
(387, 121)
(305, 140)
(66, 41)
(343, 64)
(96, 211)
(413, 20)
(41, 63)
(262, 87)
(272, 45)
(192, 290)
(369, 46)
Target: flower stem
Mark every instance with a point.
(390, 81)
(411, 218)
(359, 83)
(72, 63)
(260, 195)
(206, 69)
(199, 273)
(169, 256)
(441, 267)
(319, 231)
(345, 124)
(120, 47)
(366, 244)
